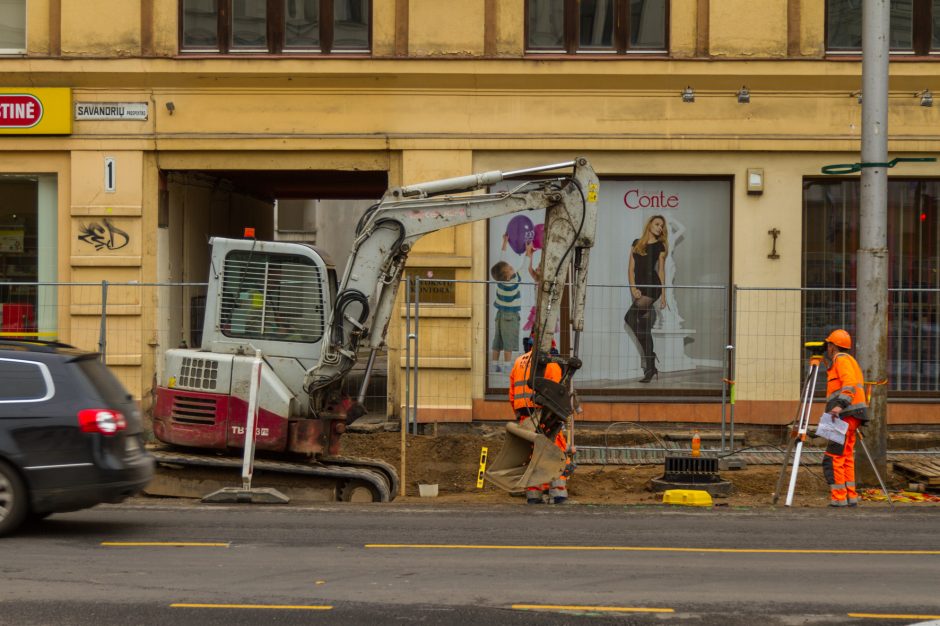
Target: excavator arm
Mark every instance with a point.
(388, 230)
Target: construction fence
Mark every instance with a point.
(704, 345)
(449, 353)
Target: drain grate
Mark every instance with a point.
(691, 469)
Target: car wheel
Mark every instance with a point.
(13, 503)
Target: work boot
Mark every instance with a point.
(533, 500)
(559, 500)
(838, 503)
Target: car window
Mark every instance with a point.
(24, 381)
(104, 381)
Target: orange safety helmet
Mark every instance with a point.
(840, 338)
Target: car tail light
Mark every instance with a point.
(103, 421)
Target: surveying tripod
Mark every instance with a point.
(801, 426)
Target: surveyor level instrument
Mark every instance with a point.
(801, 425)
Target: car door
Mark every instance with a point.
(41, 436)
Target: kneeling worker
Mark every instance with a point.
(845, 399)
(520, 398)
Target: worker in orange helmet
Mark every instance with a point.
(521, 399)
(845, 399)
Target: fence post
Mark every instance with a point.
(417, 335)
(724, 369)
(103, 332)
(733, 361)
(406, 414)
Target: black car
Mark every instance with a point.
(70, 434)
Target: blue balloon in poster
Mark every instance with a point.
(520, 231)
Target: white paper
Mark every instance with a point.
(832, 428)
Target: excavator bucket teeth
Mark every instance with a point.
(526, 459)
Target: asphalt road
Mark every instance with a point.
(183, 563)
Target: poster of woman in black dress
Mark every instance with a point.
(646, 276)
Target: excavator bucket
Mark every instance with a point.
(526, 459)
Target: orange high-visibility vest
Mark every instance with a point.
(845, 386)
(520, 394)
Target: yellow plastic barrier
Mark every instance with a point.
(687, 497)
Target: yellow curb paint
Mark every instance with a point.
(283, 607)
(893, 616)
(596, 609)
(422, 546)
(162, 544)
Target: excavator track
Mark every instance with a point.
(370, 464)
(353, 480)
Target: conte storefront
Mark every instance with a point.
(688, 314)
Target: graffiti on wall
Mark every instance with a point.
(104, 236)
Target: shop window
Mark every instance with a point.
(597, 26)
(12, 26)
(914, 26)
(275, 26)
(686, 332)
(831, 240)
(28, 256)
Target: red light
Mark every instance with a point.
(249, 233)
(923, 217)
(102, 421)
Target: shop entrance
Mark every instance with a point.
(314, 207)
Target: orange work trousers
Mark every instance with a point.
(839, 467)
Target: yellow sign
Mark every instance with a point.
(29, 111)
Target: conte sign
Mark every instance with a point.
(27, 111)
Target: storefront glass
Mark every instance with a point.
(831, 242)
(687, 327)
(28, 255)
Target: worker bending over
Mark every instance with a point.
(845, 399)
(521, 399)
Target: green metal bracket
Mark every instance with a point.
(849, 168)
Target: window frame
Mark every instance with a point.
(46, 377)
(275, 31)
(921, 35)
(621, 34)
(19, 51)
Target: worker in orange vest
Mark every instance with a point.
(523, 405)
(845, 399)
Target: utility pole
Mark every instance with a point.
(872, 280)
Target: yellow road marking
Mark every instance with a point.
(286, 607)
(163, 544)
(597, 609)
(893, 616)
(426, 546)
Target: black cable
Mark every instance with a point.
(343, 300)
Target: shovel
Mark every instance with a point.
(527, 459)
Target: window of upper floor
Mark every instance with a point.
(597, 26)
(914, 27)
(12, 26)
(275, 26)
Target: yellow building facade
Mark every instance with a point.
(443, 89)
